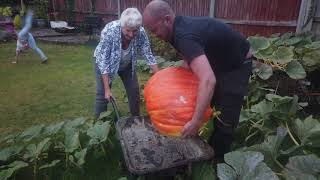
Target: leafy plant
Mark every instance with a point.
(6, 11)
(162, 48)
(68, 144)
(41, 8)
(203, 171)
(245, 165)
(303, 167)
(162, 63)
(10, 169)
(289, 53)
(17, 22)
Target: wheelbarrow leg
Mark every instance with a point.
(132, 177)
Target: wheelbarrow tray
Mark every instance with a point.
(146, 151)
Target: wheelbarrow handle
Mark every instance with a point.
(115, 108)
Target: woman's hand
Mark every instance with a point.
(154, 68)
(107, 94)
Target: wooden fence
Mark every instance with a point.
(250, 17)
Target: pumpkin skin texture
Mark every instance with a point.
(170, 97)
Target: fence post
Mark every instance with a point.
(212, 6)
(119, 9)
(306, 14)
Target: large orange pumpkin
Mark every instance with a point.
(170, 97)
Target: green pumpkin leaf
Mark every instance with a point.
(51, 164)
(283, 105)
(308, 131)
(43, 146)
(74, 123)
(258, 43)
(31, 133)
(306, 167)
(263, 107)
(8, 152)
(283, 55)
(264, 71)
(30, 152)
(278, 99)
(264, 54)
(203, 171)
(72, 141)
(34, 151)
(105, 114)
(295, 70)
(226, 172)
(270, 148)
(54, 128)
(289, 41)
(10, 138)
(80, 156)
(243, 166)
(13, 167)
(311, 58)
(313, 46)
(123, 178)
(98, 132)
(245, 115)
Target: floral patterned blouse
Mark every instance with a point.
(108, 52)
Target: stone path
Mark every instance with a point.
(49, 35)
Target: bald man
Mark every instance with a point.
(219, 57)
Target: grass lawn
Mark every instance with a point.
(33, 93)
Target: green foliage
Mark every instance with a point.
(69, 144)
(306, 167)
(276, 140)
(275, 127)
(308, 131)
(245, 165)
(10, 169)
(99, 132)
(17, 22)
(40, 8)
(162, 48)
(203, 171)
(162, 63)
(6, 11)
(292, 54)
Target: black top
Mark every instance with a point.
(195, 36)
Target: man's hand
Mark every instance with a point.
(191, 129)
(185, 64)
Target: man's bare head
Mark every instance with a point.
(158, 17)
(158, 9)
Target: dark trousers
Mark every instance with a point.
(130, 82)
(228, 97)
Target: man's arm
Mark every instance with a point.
(207, 81)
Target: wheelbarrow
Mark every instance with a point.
(146, 151)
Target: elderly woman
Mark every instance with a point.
(116, 53)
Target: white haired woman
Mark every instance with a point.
(116, 53)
